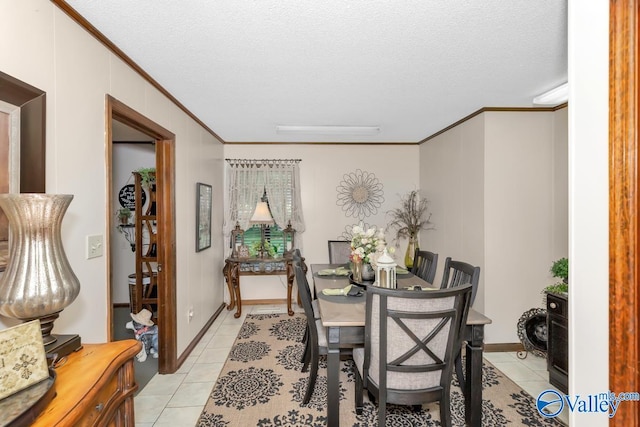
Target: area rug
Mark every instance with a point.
(261, 385)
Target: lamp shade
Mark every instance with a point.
(262, 215)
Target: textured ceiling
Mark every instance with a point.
(410, 67)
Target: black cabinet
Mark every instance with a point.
(558, 341)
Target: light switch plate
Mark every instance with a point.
(94, 246)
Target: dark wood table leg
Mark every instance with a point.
(236, 286)
(333, 377)
(472, 387)
(290, 278)
(227, 278)
(234, 275)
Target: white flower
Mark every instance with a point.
(367, 245)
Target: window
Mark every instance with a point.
(273, 235)
(278, 182)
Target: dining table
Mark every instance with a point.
(344, 322)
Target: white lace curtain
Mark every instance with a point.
(248, 180)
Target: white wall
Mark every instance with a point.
(589, 204)
(52, 53)
(452, 178)
(560, 187)
(321, 171)
(493, 181)
(519, 215)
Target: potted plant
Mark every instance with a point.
(147, 176)
(411, 217)
(124, 214)
(560, 270)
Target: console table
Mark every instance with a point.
(236, 267)
(94, 387)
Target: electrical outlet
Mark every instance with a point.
(94, 246)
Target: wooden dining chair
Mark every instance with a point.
(425, 264)
(457, 273)
(305, 357)
(411, 337)
(339, 251)
(316, 343)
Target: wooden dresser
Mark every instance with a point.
(94, 387)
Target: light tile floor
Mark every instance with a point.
(177, 400)
(529, 373)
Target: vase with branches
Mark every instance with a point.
(407, 221)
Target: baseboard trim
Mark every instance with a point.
(496, 348)
(263, 301)
(198, 337)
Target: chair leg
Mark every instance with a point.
(305, 353)
(459, 372)
(445, 410)
(382, 411)
(313, 375)
(306, 357)
(359, 392)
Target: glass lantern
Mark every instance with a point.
(288, 238)
(386, 271)
(237, 240)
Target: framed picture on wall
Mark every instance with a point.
(204, 198)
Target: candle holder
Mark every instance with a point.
(288, 239)
(237, 240)
(386, 271)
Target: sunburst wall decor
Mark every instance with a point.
(360, 194)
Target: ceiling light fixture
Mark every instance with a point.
(328, 130)
(555, 96)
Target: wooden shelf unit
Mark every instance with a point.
(146, 249)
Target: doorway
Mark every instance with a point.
(163, 142)
(132, 150)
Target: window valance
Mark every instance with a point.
(249, 179)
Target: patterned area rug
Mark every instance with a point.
(261, 385)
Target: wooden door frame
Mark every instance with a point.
(32, 102)
(624, 221)
(165, 184)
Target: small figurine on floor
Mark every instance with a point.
(145, 332)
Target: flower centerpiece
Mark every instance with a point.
(366, 246)
(408, 220)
